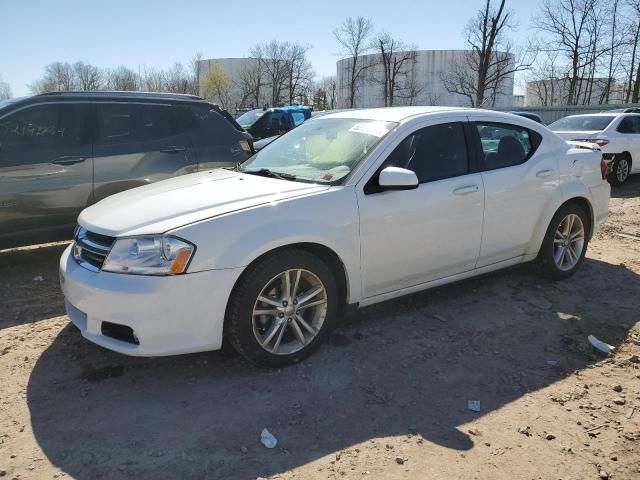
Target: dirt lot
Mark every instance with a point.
(387, 398)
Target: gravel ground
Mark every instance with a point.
(386, 398)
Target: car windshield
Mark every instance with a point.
(582, 123)
(322, 151)
(249, 118)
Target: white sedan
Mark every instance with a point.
(617, 135)
(351, 209)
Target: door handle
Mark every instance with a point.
(68, 160)
(172, 149)
(544, 173)
(466, 190)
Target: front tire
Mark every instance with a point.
(565, 243)
(282, 308)
(620, 170)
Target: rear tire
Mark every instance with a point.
(620, 170)
(276, 322)
(565, 243)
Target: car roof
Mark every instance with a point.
(123, 94)
(390, 114)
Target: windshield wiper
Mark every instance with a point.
(265, 172)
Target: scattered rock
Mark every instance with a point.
(614, 458)
(244, 449)
(525, 430)
(603, 474)
(617, 388)
(3, 472)
(399, 460)
(619, 401)
(549, 436)
(634, 359)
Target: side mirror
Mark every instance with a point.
(395, 178)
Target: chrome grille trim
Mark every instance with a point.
(88, 252)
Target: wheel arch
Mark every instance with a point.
(326, 254)
(548, 213)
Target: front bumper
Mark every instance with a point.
(167, 315)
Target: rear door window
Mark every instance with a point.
(504, 145)
(51, 126)
(130, 123)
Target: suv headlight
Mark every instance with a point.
(149, 255)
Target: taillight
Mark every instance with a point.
(601, 142)
(603, 168)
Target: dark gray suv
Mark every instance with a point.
(61, 152)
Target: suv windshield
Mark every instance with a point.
(324, 151)
(249, 118)
(583, 123)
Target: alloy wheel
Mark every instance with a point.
(622, 170)
(568, 242)
(289, 311)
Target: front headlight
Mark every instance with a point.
(149, 255)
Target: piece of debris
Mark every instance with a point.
(525, 430)
(630, 412)
(399, 460)
(627, 235)
(475, 432)
(617, 388)
(267, 439)
(600, 345)
(619, 401)
(473, 405)
(549, 436)
(38, 279)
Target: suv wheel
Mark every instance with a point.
(620, 170)
(565, 243)
(282, 308)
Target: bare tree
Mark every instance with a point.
(5, 90)
(299, 72)
(491, 61)
(353, 36)
(58, 77)
(123, 79)
(274, 64)
(397, 62)
(571, 27)
(88, 77)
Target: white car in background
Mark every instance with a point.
(347, 210)
(617, 135)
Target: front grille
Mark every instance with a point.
(91, 249)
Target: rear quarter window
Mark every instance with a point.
(506, 145)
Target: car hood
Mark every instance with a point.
(577, 135)
(169, 204)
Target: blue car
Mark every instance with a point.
(270, 123)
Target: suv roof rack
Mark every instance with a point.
(118, 93)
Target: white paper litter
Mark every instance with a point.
(600, 345)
